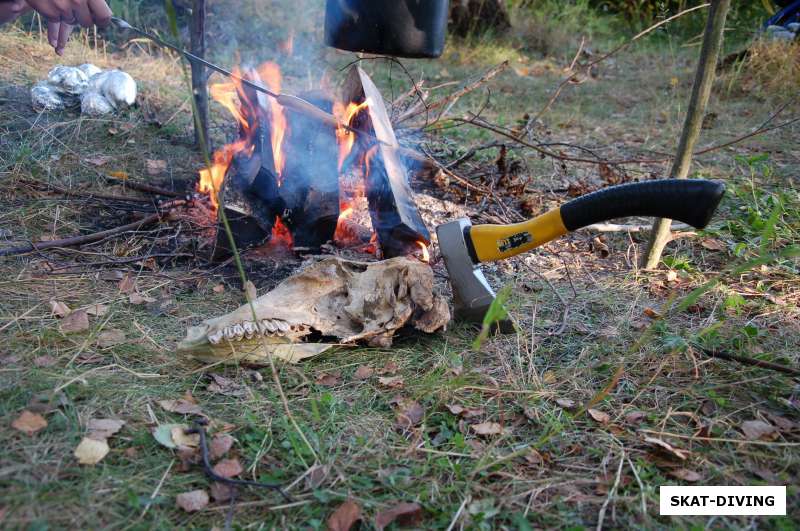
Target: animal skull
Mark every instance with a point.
(347, 300)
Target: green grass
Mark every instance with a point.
(632, 107)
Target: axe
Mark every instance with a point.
(465, 246)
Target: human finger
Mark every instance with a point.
(84, 15)
(101, 13)
(63, 36)
(52, 33)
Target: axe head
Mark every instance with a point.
(472, 294)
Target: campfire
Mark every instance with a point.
(291, 182)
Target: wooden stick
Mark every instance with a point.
(79, 240)
(746, 360)
(144, 187)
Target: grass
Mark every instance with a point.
(553, 467)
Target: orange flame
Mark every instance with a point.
(281, 235)
(346, 138)
(271, 74)
(426, 257)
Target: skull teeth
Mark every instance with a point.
(249, 329)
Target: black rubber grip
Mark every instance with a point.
(691, 201)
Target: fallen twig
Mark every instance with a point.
(746, 360)
(80, 240)
(200, 428)
(144, 187)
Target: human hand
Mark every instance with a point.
(62, 15)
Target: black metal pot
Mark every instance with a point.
(401, 28)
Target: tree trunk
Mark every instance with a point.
(197, 35)
(478, 16)
(704, 79)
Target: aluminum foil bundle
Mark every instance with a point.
(97, 91)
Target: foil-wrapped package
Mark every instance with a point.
(95, 104)
(68, 79)
(45, 98)
(89, 69)
(116, 86)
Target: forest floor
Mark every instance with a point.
(603, 394)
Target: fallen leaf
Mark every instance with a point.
(77, 321)
(220, 445)
(127, 285)
(408, 514)
(685, 474)
(109, 338)
(466, 412)
(98, 310)
(634, 417)
(181, 406)
(11, 359)
(757, 429)
(221, 492)
(155, 167)
(651, 313)
(219, 288)
(599, 416)
(101, 429)
(90, 358)
(668, 448)
(44, 361)
(137, 299)
(29, 423)
(225, 386)
(91, 451)
(364, 372)
(487, 428)
(181, 438)
(193, 501)
(327, 379)
(59, 309)
(344, 517)
(392, 382)
(111, 276)
(163, 434)
(672, 276)
(782, 423)
(316, 476)
(409, 413)
(228, 468)
(391, 367)
(566, 403)
(713, 245)
(98, 160)
(534, 457)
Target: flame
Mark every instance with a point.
(281, 235)
(426, 257)
(343, 232)
(270, 73)
(346, 138)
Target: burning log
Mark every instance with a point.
(395, 217)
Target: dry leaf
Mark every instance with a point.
(29, 423)
(391, 367)
(566, 403)
(228, 468)
(465, 412)
(327, 379)
(109, 338)
(91, 451)
(316, 476)
(392, 382)
(44, 361)
(651, 313)
(101, 429)
(220, 445)
(193, 501)
(757, 429)
(155, 167)
(599, 416)
(408, 514)
(713, 245)
(76, 321)
(225, 386)
(181, 438)
(344, 517)
(364, 372)
(127, 285)
(487, 428)
(98, 310)
(782, 423)
(668, 448)
(219, 288)
(138, 298)
(250, 290)
(634, 417)
(685, 474)
(181, 406)
(672, 276)
(221, 492)
(59, 309)
(409, 413)
(98, 160)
